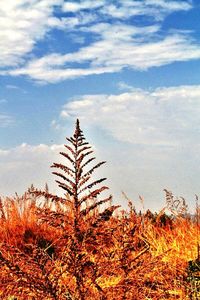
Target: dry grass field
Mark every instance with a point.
(81, 246)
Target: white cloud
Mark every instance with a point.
(136, 169)
(150, 139)
(136, 49)
(29, 164)
(165, 116)
(26, 164)
(123, 9)
(74, 7)
(170, 5)
(144, 171)
(53, 74)
(158, 9)
(22, 24)
(124, 86)
(102, 57)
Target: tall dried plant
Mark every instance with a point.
(82, 215)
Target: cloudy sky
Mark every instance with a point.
(128, 69)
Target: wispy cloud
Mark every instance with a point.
(15, 88)
(24, 23)
(165, 116)
(12, 87)
(3, 100)
(124, 86)
(5, 120)
(121, 9)
(134, 48)
(157, 9)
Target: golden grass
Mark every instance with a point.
(133, 256)
(70, 248)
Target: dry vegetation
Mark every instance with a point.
(81, 247)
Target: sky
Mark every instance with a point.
(128, 69)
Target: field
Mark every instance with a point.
(82, 247)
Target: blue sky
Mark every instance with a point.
(128, 69)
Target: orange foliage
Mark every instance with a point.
(130, 256)
(68, 247)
